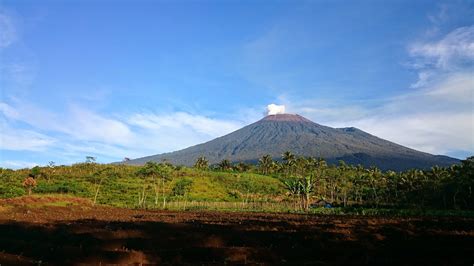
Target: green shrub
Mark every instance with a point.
(10, 191)
(61, 187)
(181, 187)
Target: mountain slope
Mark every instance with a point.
(276, 134)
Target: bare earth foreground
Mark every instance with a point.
(43, 231)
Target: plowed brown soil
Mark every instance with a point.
(83, 234)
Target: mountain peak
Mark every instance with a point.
(278, 133)
(285, 118)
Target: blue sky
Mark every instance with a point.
(115, 79)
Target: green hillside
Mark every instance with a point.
(295, 184)
(121, 186)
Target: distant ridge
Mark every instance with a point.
(275, 134)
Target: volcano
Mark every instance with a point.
(275, 134)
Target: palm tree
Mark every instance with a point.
(265, 164)
(276, 167)
(225, 165)
(373, 176)
(392, 186)
(289, 162)
(288, 156)
(321, 163)
(310, 164)
(301, 166)
(434, 184)
(242, 167)
(463, 182)
(201, 163)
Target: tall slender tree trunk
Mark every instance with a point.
(156, 194)
(163, 189)
(96, 193)
(141, 198)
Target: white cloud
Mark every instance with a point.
(32, 115)
(77, 122)
(458, 87)
(168, 132)
(455, 48)
(452, 54)
(79, 149)
(200, 124)
(20, 139)
(437, 133)
(273, 109)
(79, 131)
(9, 111)
(17, 164)
(87, 125)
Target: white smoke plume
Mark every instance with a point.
(273, 109)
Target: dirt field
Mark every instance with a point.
(43, 231)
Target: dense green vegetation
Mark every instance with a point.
(133, 186)
(295, 183)
(347, 185)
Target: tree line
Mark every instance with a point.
(311, 180)
(307, 180)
